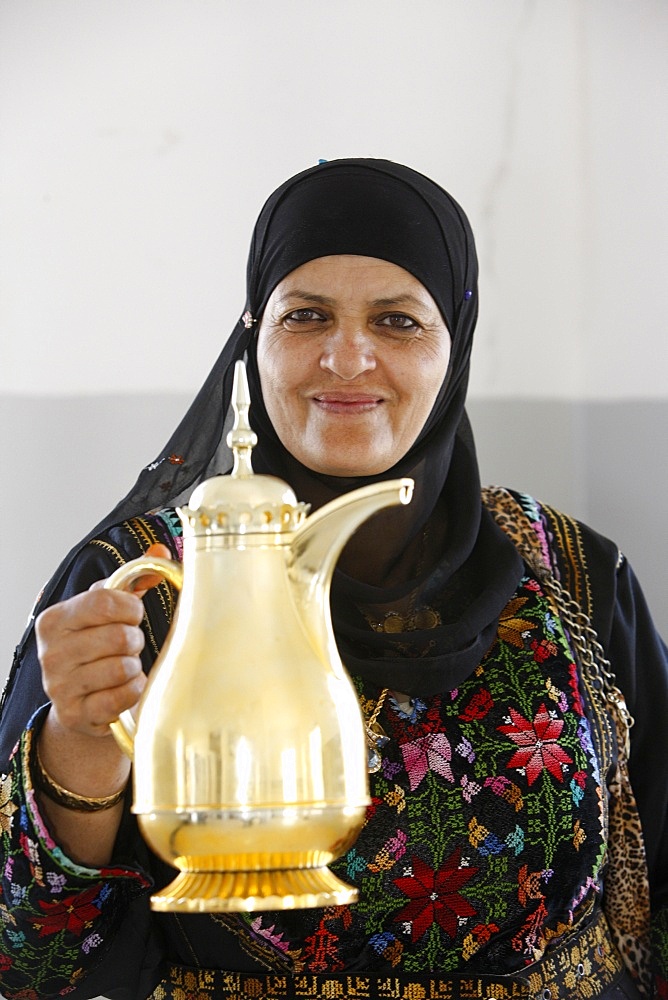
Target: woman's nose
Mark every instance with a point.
(348, 353)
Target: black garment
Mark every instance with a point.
(145, 940)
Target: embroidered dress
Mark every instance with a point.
(484, 839)
(484, 843)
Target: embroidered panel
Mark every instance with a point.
(484, 839)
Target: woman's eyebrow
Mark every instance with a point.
(407, 298)
(298, 293)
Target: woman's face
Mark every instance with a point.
(352, 352)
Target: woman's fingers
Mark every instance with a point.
(89, 647)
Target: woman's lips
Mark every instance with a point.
(349, 404)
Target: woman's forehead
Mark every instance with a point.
(380, 279)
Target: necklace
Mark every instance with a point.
(394, 622)
(410, 618)
(376, 737)
(416, 619)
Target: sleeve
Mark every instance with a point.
(55, 915)
(24, 693)
(66, 929)
(639, 659)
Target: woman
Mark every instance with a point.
(492, 845)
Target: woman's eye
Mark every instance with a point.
(303, 316)
(399, 321)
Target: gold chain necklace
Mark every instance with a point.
(376, 737)
(392, 623)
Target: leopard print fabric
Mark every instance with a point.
(626, 899)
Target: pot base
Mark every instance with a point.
(247, 891)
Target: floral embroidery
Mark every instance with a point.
(458, 866)
(49, 906)
(479, 706)
(538, 743)
(435, 897)
(429, 753)
(276, 940)
(512, 628)
(73, 913)
(321, 953)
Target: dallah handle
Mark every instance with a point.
(124, 727)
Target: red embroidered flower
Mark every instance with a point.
(435, 897)
(73, 913)
(537, 740)
(372, 807)
(543, 650)
(6, 962)
(484, 932)
(529, 886)
(320, 951)
(478, 707)
(433, 712)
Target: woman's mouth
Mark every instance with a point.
(351, 404)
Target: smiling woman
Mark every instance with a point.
(492, 642)
(352, 353)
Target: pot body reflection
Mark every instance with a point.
(250, 751)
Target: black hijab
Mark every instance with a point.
(379, 209)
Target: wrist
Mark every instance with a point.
(87, 767)
(47, 784)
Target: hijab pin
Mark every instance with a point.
(467, 294)
(247, 319)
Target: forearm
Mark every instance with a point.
(58, 916)
(92, 767)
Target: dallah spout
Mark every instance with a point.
(318, 543)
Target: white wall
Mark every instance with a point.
(139, 138)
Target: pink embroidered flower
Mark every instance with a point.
(428, 753)
(396, 846)
(538, 745)
(269, 933)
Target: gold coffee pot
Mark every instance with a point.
(250, 756)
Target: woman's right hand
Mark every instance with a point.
(89, 649)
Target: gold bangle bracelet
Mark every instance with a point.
(71, 800)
